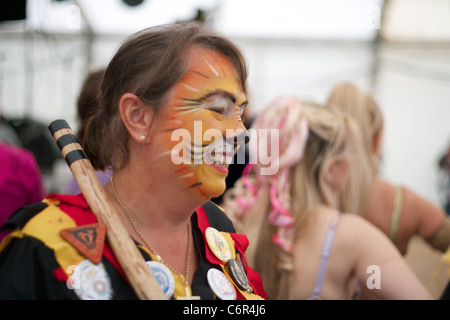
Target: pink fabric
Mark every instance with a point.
(20, 180)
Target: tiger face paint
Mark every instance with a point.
(204, 127)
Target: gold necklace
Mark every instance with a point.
(185, 278)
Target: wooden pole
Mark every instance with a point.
(141, 279)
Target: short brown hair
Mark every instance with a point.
(148, 64)
(87, 102)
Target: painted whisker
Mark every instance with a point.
(167, 153)
(187, 176)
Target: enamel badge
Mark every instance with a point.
(218, 244)
(220, 285)
(163, 276)
(238, 275)
(91, 281)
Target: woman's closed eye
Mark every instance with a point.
(221, 104)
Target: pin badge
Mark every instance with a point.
(238, 275)
(87, 239)
(91, 281)
(218, 244)
(163, 276)
(220, 285)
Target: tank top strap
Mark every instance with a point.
(396, 212)
(324, 257)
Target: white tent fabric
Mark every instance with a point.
(404, 20)
(398, 49)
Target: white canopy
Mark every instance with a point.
(398, 49)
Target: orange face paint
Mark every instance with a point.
(206, 103)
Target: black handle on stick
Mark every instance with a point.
(129, 257)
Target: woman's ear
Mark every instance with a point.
(330, 173)
(377, 143)
(335, 175)
(136, 116)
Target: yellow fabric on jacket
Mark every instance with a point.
(46, 227)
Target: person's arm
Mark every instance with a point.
(381, 268)
(433, 224)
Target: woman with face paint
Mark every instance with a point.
(302, 246)
(169, 122)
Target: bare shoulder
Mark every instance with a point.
(366, 242)
(360, 232)
(355, 223)
(429, 216)
(417, 202)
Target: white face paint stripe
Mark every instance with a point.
(177, 121)
(167, 153)
(184, 112)
(216, 73)
(190, 88)
(187, 176)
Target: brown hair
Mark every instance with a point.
(148, 64)
(87, 102)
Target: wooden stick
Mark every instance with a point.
(126, 252)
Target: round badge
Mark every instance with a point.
(218, 244)
(163, 276)
(220, 285)
(237, 274)
(91, 281)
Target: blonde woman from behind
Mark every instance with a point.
(397, 210)
(300, 244)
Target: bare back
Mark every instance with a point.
(356, 246)
(416, 216)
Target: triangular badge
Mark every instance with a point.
(88, 240)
